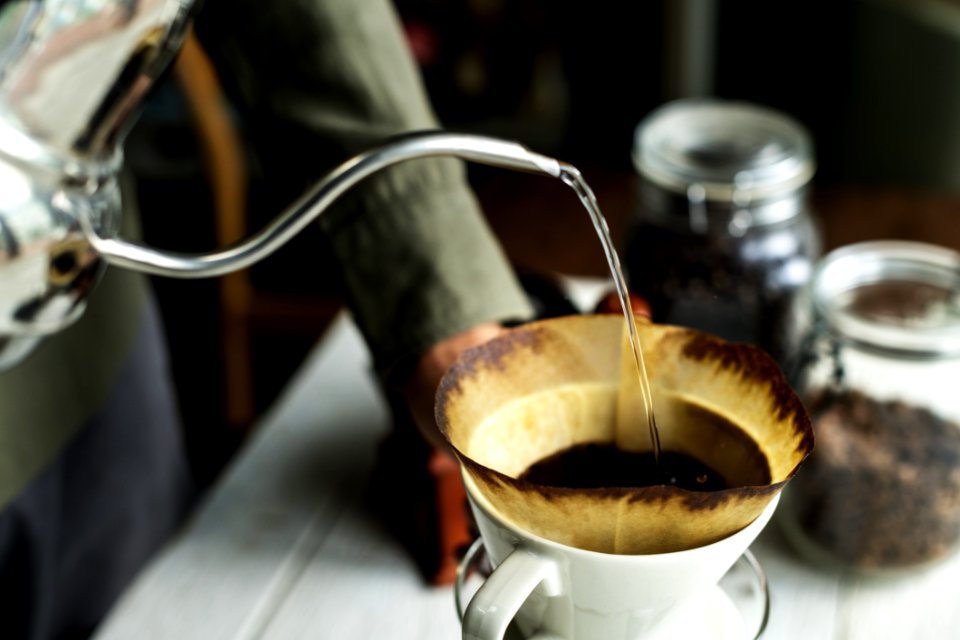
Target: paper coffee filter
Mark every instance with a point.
(546, 386)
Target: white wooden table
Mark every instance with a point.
(285, 548)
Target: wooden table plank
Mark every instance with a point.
(362, 585)
(236, 562)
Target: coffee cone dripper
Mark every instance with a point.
(546, 386)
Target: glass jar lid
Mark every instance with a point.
(898, 297)
(735, 151)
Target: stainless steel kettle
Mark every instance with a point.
(72, 74)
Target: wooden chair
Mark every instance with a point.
(246, 313)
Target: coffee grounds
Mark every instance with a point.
(741, 290)
(882, 488)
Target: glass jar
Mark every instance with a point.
(722, 238)
(879, 375)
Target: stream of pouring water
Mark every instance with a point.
(571, 176)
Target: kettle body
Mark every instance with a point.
(47, 265)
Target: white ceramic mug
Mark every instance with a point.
(551, 591)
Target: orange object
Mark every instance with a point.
(454, 529)
(610, 303)
(419, 496)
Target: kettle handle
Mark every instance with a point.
(481, 149)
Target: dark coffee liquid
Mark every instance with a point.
(589, 466)
(725, 457)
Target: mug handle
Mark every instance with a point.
(497, 601)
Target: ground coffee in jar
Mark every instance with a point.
(880, 362)
(722, 238)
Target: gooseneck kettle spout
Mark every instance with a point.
(481, 149)
(44, 289)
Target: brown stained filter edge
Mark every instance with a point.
(754, 364)
(489, 355)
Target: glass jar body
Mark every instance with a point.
(723, 275)
(880, 493)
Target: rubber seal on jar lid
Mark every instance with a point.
(737, 151)
(896, 297)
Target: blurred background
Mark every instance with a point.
(877, 83)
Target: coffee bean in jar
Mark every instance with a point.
(882, 467)
(881, 492)
(722, 238)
